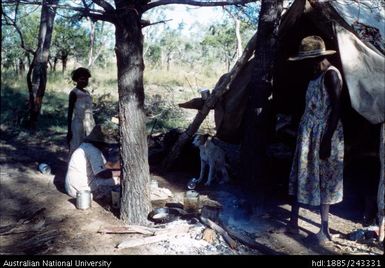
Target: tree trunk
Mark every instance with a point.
(55, 59)
(50, 65)
(37, 75)
(135, 203)
(64, 59)
(92, 41)
(168, 62)
(21, 66)
(238, 36)
(257, 116)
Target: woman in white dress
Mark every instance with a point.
(80, 120)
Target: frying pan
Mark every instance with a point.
(163, 215)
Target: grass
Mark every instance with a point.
(163, 90)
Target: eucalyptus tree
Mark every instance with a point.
(20, 25)
(170, 44)
(37, 73)
(222, 42)
(126, 16)
(70, 38)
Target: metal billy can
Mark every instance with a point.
(115, 197)
(191, 201)
(83, 199)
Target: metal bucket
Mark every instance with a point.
(83, 199)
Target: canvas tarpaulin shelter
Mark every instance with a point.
(363, 64)
(344, 27)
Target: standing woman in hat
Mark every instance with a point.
(316, 177)
(80, 121)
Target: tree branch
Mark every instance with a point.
(106, 6)
(147, 23)
(195, 3)
(81, 9)
(96, 14)
(11, 22)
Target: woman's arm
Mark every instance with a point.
(333, 87)
(71, 105)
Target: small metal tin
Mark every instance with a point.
(192, 184)
(83, 199)
(44, 168)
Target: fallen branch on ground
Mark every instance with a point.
(33, 222)
(159, 236)
(232, 243)
(130, 229)
(251, 243)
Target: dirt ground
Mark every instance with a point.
(61, 229)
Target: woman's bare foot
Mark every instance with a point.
(321, 237)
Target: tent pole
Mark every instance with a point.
(381, 186)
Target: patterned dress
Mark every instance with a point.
(312, 180)
(82, 120)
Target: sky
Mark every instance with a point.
(190, 15)
(194, 18)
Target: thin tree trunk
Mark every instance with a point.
(257, 116)
(55, 59)
(50, 65)
(222, 86)
(21, 66)
(92, 42)
(239, 38)
(168, 62)
(381, 187)
(64, 60)
(37, 75)
(135, 204)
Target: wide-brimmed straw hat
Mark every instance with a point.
(311, 47)
(107, 133)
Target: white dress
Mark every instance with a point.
(82, 120)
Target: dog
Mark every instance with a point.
(211, 156)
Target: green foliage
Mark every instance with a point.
(154, 55)
(69, 39)
(14, 105)
(163, 114)
(105, 107)
(28, 23)
(221, 36)
(176, 64)
(247, 14)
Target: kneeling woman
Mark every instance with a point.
(87, 167)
